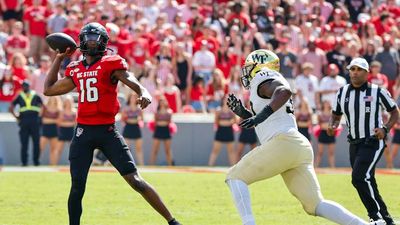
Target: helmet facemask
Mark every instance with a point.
(246, 77)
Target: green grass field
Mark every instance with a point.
(30, 198)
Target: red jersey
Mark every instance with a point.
(98, 102)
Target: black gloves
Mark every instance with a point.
(259, 118)
(237, 107)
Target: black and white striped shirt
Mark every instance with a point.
(362, 108)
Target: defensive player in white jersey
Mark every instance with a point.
(283, 149)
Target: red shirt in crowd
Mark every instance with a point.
(380, 79)
(29, 3)
(196, 94)
(212, 43)
(20, 72)
(226, 65)
(139, 49)
(37, 19)
(97, 99)
(74, 33)
(11, 4)
(9, 89)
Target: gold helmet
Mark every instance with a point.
(255, 61)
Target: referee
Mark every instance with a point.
(362, 104)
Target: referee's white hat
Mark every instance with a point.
(359, 62)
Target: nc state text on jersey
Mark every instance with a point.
(86, 74)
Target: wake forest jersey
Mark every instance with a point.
(282, 120)
(97, 99)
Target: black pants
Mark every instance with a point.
(363, 159)
(85, 140)
(29, 129)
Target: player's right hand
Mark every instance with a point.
(143, 102)
(65, 54)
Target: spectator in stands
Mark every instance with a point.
(338, 24)
(35, 18)
(162, 120)
(11, 12)
(203, 62)
(235, 84)
(237, 13)
(172, 94)
(17, 42)
(58, 20)
(324, 140)
(304, 117)
(217, 20)
(3, 33)
(139, 50)
(216, 90)
(382, 24)
(337, 57)
(9, 88)
(315, 56)
(163, 62)
(225, 59)
(263, 22)
(306, 84)
(18, 66)
(355, 8)
(224, 135)
(151, 10)
(212, 41)
(171, 9)
(197, 95)
(394, 146)
(330, 84)
(66, 123)
(39, 75)
(390, 60)
(28, 120)
(182, 67)
(149, 80)
(49, 135)
(288, 61)
(179, 27)
(375, 77)
(370, 51)
(132, 116)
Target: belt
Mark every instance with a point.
(362, 140)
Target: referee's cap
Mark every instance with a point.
(359, 62)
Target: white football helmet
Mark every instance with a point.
(255, 61)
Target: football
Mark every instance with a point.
(60, 42)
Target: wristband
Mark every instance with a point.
(264, 114)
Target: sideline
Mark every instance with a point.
(175, 169)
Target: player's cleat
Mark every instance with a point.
(174, 222)
(377, 222)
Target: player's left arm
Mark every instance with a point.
(279, 94)
(129, 80)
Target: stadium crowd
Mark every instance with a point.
(190, 53)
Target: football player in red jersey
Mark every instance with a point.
(95, 78)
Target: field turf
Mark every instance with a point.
(40, 198)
